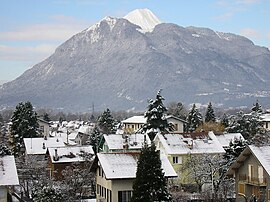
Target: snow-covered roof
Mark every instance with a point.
(143, 18)
(193, 143)
(35, 145)
(70, 154)
(226, 138)
(135, 119)
(115, 142)
(85, 129)
(261, 153)
(265, 117)
(124, 165)
(8, 171)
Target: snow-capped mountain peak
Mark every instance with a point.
(143, 18)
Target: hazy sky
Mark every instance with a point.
(31, 29)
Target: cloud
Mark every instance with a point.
(60, 29)
(250, 33)
(232, 7)
(26, 53)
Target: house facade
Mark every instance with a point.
(44, 127)
(115, 173)
(251, 171)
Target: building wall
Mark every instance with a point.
(3, 194)
(178, 125)
(249, 181)
(44, 128)
(107, 190)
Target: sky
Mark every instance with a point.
(31, 30)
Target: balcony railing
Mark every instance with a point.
(252, 180)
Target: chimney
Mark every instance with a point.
(125, 143)
(43, 146)
(55, 157)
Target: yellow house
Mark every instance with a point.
(115, 173)
(178, 147)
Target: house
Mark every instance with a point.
(179, 147)
(135, 123)
(225, 138)
(115, 173)
(44, 127)
(251, 172)
(38, 146)
(8, 176)
(127, 142)
(265, 118)
(61, 157)
(83, 134)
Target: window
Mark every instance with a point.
(241, 188)
(176, 127)
(260, 174)
(266, 124)
(98, 189)
(268, 195)
(124, 196)
(177, 160)
(255, 191)
(250, 171)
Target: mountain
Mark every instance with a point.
(121, 62)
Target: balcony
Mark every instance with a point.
(252, 180)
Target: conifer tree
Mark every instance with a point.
(225, 120)
(257, 107)
(150, 183)
(194, 119)
(95, 139)
(24, 125)
(106, 122)
(46, 117)
(210, 115)
(155, 117)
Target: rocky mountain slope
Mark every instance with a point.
(121, 62)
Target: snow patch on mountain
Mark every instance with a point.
(143, 18)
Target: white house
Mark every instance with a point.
(8, 176)
(44, 127)
(265, 118)
(116, 173)
(135, 123)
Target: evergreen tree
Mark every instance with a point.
(106, 122)
(4, 150)
(155, 117)
(47, 193)
(95, 139)
(150, 183)
(24, 125)
(225, 120)
(46, 117)
(234, 150)
(194, 119)
(257, 107)
(246, 124)
(210, 115)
